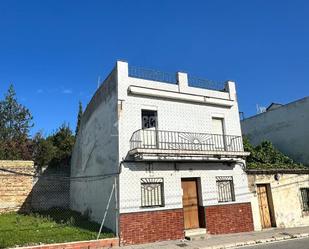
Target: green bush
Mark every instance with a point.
(266, 156)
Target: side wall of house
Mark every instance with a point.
(286, 127)
(286, 197)
(95, 156)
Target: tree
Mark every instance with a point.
(79, 117)
(43, 150)
(63, 140)
(15, 124)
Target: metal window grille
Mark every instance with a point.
(305, 198)
(149, 119)
(152, 194)
(225, 187)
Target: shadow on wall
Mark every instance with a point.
(51, 188)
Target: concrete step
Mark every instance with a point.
(196, 234)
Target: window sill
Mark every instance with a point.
(149, 207)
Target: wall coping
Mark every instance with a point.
(274, 171)
(16, 163)
(108, 242)
(227, 204)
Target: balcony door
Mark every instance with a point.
(218, 131)
(149, 129)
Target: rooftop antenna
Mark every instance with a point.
(99, 82)
(260, 109)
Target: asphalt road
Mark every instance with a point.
(289, 244)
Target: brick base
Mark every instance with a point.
(151, 226)
(230, 218)
(91, 244)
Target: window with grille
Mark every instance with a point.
(152, 194)
(305, 198)
(225, 187)
(149, 119)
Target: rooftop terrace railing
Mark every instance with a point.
(205, 83)
(155, 75)
(151, 74)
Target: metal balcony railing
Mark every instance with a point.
(186, 141)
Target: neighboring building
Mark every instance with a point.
(286, 126)
(280, 197)
(178, 150)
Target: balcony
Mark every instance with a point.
(161, 144)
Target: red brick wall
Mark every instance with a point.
(229, 218)
(151, 226)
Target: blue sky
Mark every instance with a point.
(54, 51)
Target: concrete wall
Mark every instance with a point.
(96, 154)
(286, 198)
(15, 188)
(286, 127)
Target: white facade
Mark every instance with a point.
(180, 108)
(130, 199)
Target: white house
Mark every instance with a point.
(171, 147)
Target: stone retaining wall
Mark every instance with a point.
(22, 190)
(15, 187)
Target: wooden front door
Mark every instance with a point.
(264, 206)
(190, 203)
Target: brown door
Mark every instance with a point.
(264, 206)
(190, 203)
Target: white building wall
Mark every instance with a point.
(286, 127)
(95, 156)
(104, 141)
(130, 190)
(175, 116)
(172, 115)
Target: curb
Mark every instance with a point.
(259, 241)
